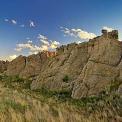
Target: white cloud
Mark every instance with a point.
(14, 21)
(29, 41)
(18, 49)
(30, 53)
(22, 46)
(34, 49)
(8, 58)
(43, 39)
(54, 44)
(78, 33)
(44, 48)
(108, 28)
(6, 20)
(22, 25)
(12, 57)
(78, 42)
(32, 24)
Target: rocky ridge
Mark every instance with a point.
(84, 69)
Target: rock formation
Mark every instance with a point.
(3, 66)
(84, 69)
(27, 67)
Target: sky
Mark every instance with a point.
(30, 26)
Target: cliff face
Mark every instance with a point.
(27, 67)
(85, 69)
(68, 62)
(3, 66)
(102, 68)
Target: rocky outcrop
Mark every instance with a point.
(89, 66)
(27, 67)
(102, 68)
(84, 69)
(3, 66)
(69, 62)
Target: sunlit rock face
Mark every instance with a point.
(84, 69)
(102, 67)
(90, 66)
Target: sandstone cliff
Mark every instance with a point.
(27, 67)
(3, 66)
(84, 69)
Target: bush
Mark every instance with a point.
(1, 77)
(60, 95)
(114, 86)
(66, 79)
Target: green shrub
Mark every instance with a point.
(66, 79)
(1, 77)
(27, 84)
(59, 95)
(114, 86)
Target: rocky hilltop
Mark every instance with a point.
(83, 69)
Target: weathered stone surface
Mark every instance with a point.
(102, 67)
(69, 61)
(93, 79)
(120, 90)
(3, 66)
(33, 65)
(16, 66)
(30, 66)
(89, 67)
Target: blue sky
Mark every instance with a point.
(49, 15)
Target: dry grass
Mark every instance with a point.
(18, 104)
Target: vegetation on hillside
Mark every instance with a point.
(47, 106)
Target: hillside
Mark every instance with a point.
(77, 83)
(84, 69)
(18, 103)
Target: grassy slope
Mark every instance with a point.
(19, 104)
